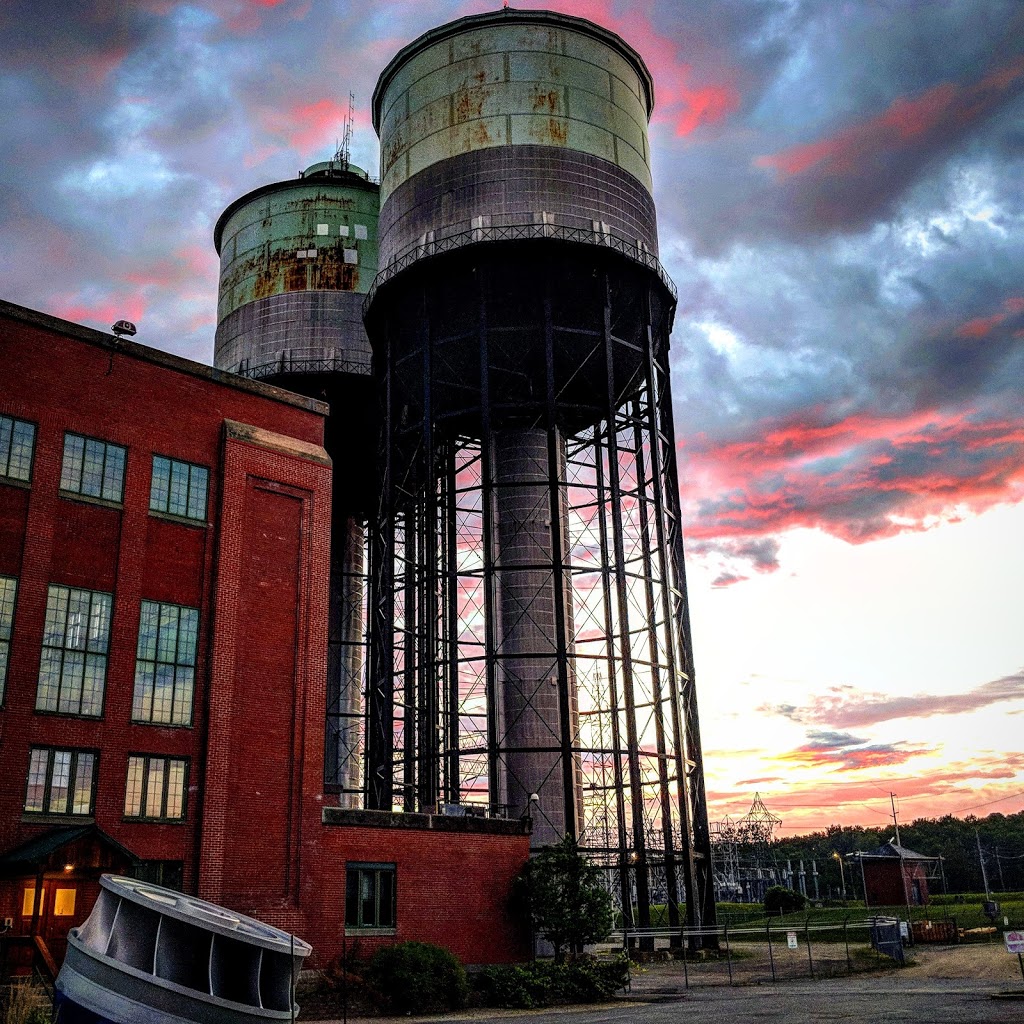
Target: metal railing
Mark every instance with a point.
(460, 239)
(287, 364)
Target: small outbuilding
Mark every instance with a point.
(893, 875)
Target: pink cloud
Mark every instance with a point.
(846, 707)
(989, 780)
(907, 123)
(849, 759)
(101, 312)
(308, 126)
(982, 326)
(859, 478)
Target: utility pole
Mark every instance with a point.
(981, 861)
(903, 872)
(895, 820)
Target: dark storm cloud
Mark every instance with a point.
(830, 740)
(74, 40)
(846, 707)
(860, 173)
(839, 202)
(898, 299)
(844, 108)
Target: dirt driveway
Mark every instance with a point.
(983, 961)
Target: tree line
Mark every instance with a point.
(1000, 838)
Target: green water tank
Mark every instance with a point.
(296, 259)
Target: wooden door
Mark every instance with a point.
(62, 913)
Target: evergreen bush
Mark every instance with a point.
(543, 983)
(780, 900)
(417, 977)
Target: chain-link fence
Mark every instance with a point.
(772, 950)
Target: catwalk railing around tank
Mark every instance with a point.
(458, 237)
(291, 364)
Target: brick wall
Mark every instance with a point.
(266, 727)
(257, 570)
(453, 885)
(64, 377)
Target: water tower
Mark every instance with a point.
(530, 645)
(297, 258)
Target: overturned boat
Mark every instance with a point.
(154, 955)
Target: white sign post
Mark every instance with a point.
(791, 940)
(1015, 944)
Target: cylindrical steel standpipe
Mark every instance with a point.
(530, 732)
(344, 742)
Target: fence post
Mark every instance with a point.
(686, 953)
(728, 952)
(846, 940)
(807, 937)
(771, 955)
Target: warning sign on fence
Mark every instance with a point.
(1014, 942)
(791, 939)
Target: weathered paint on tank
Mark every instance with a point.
(296, 236)
(522, 78)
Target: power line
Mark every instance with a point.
(987, 803)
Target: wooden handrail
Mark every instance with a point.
(46, 956)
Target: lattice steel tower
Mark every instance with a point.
(530, 638)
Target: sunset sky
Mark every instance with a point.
(840, 189)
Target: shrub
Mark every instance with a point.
(568, 902)
(780, 900)
(516, 986)
(417, 977)
(527, 986)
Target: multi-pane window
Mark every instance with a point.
(73, 666)
(17, 444)
(165, 665)
(168, 873)
(156, 787)
(93, 468)
(178, 488)
(60, 781)
(8, 589)
(370, 896)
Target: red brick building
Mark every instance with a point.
(895, 876)
(164, 543)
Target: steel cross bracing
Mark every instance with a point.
(567, 613)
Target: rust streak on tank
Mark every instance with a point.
(558, 130)
(469, 103)
(547, 99)
(479, 135)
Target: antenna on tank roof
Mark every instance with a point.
(343, 152)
